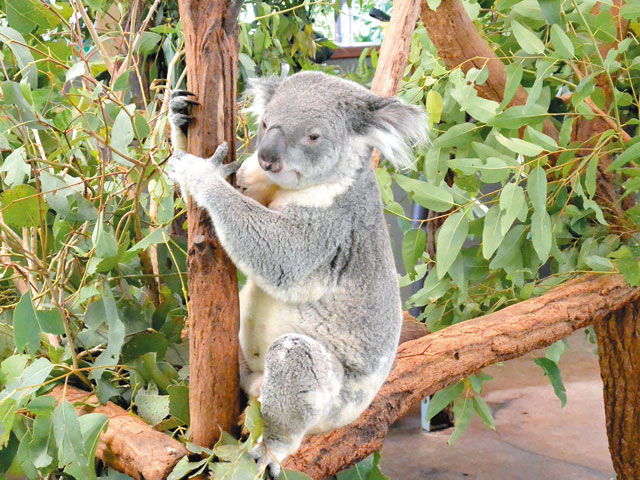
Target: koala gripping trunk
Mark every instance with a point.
(211, 44)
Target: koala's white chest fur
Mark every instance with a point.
(262, 320)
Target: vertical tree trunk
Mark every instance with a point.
(210, 32)
(619, 352)
(394, 54)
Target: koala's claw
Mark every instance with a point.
(220, 154)
(181, 93)
(218, 157)
(265, 461)
(179, 107)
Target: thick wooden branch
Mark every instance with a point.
(394, 53)
(211, 48)
(460, 44)
(129, 444)
(428, 364)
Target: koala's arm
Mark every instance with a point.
(275, 249)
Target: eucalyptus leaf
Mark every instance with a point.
(450, 239)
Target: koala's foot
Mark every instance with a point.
(267, 459)
(300, 386)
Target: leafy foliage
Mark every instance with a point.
(93, 286)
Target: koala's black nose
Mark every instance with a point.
(271, 149)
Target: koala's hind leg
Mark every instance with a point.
(300, 385)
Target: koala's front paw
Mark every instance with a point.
(266, 460)
(224, 170)
(179, 109)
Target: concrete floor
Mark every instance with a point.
(535, 439)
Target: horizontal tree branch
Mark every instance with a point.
(423, 366)
(430, 363)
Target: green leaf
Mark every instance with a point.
(434, 198)
(367, 469)
(631, 153)
(144, 342)
(75, 71)
(628, 265)
(598, 263)
(28, 15)
(518, 116)
(17, 45)
(20, 206)
(457, 136)
(539, 138)
(20, 388)
(537, 189)
(550, 369)
(434, 4)
(443, 398)
(290, 474)
(111, 354)
(630, 11)
(26, 331)
(511, 203)
(491, 232)
(462, 414)
(16, 167)
(92, 425)
(494, 170)
(185, 466)
(541, 234)
(552, 11)
(68, 435)
(179, 403)
(152, 408)
(413, 246)
(50, 321)
(514, 77)
(520, 146)
(7, 416)
(555, 351)
(155, 237)
(41, 442)
(484, 412)
(8, 453)
(148, 42)
(528, 40)
(434, 106)
(561, 43)
(450, 238)
(122, 132)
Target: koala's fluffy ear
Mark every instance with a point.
(395, 129)
(261, 89)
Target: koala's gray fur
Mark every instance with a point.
(321, 312)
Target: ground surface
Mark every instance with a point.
(535, 439)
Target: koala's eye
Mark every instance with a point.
(314, 136)
(264, 125)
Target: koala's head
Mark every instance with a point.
(315, 128)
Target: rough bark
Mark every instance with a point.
(129, 444)
(619, 353)
(211, 46)
(459, 44)
(428, 364)
(394, 53)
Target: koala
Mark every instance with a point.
(320, 314)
